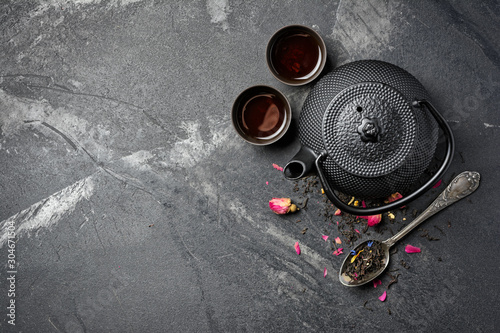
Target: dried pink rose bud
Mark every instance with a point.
(282, 205)
(337, 212)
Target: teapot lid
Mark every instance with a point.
(369, 129)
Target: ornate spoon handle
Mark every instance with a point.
(460, 187)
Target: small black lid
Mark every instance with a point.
(369, 129)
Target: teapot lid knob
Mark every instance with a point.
(370, 129)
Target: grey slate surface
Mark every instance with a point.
(138, 209)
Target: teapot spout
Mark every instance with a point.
(301, 165)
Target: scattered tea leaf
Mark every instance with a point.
(394, 279)
(404, 264)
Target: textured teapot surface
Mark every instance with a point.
(361, 114)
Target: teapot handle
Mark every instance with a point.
(450, 149)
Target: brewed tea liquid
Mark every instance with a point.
(263, 116)
(296, 56)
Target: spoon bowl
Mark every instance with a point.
(350, 282)
(460, 187)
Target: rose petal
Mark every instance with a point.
(438, 183)
(338, 241)
(337, 212)
(280, 205)
(277, 167)
(372, 219)
(393, 197)
(412, 249)
(376, 283)
(325, 238)
(297, 247)
(325, 272)
(383, 296)
(338, 251)
(357, 231)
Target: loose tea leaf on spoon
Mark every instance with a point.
(366, 259)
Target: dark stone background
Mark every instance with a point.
(138, 208)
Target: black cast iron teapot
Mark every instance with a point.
(369, 130)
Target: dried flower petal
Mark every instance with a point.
(325, 272)
(338, 251)
(372, 219)
(280, 205)
(376, 283)
(412, 249)
(354, 258)
(338, 241)
(370, 243)
(357, 231)
(297, 247)
(393, 197)
(438, 183)
(277, 167)
(325, 238)
(383, 296)
(337, 212)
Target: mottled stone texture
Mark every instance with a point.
(137, 208)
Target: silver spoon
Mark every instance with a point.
(463, 185)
